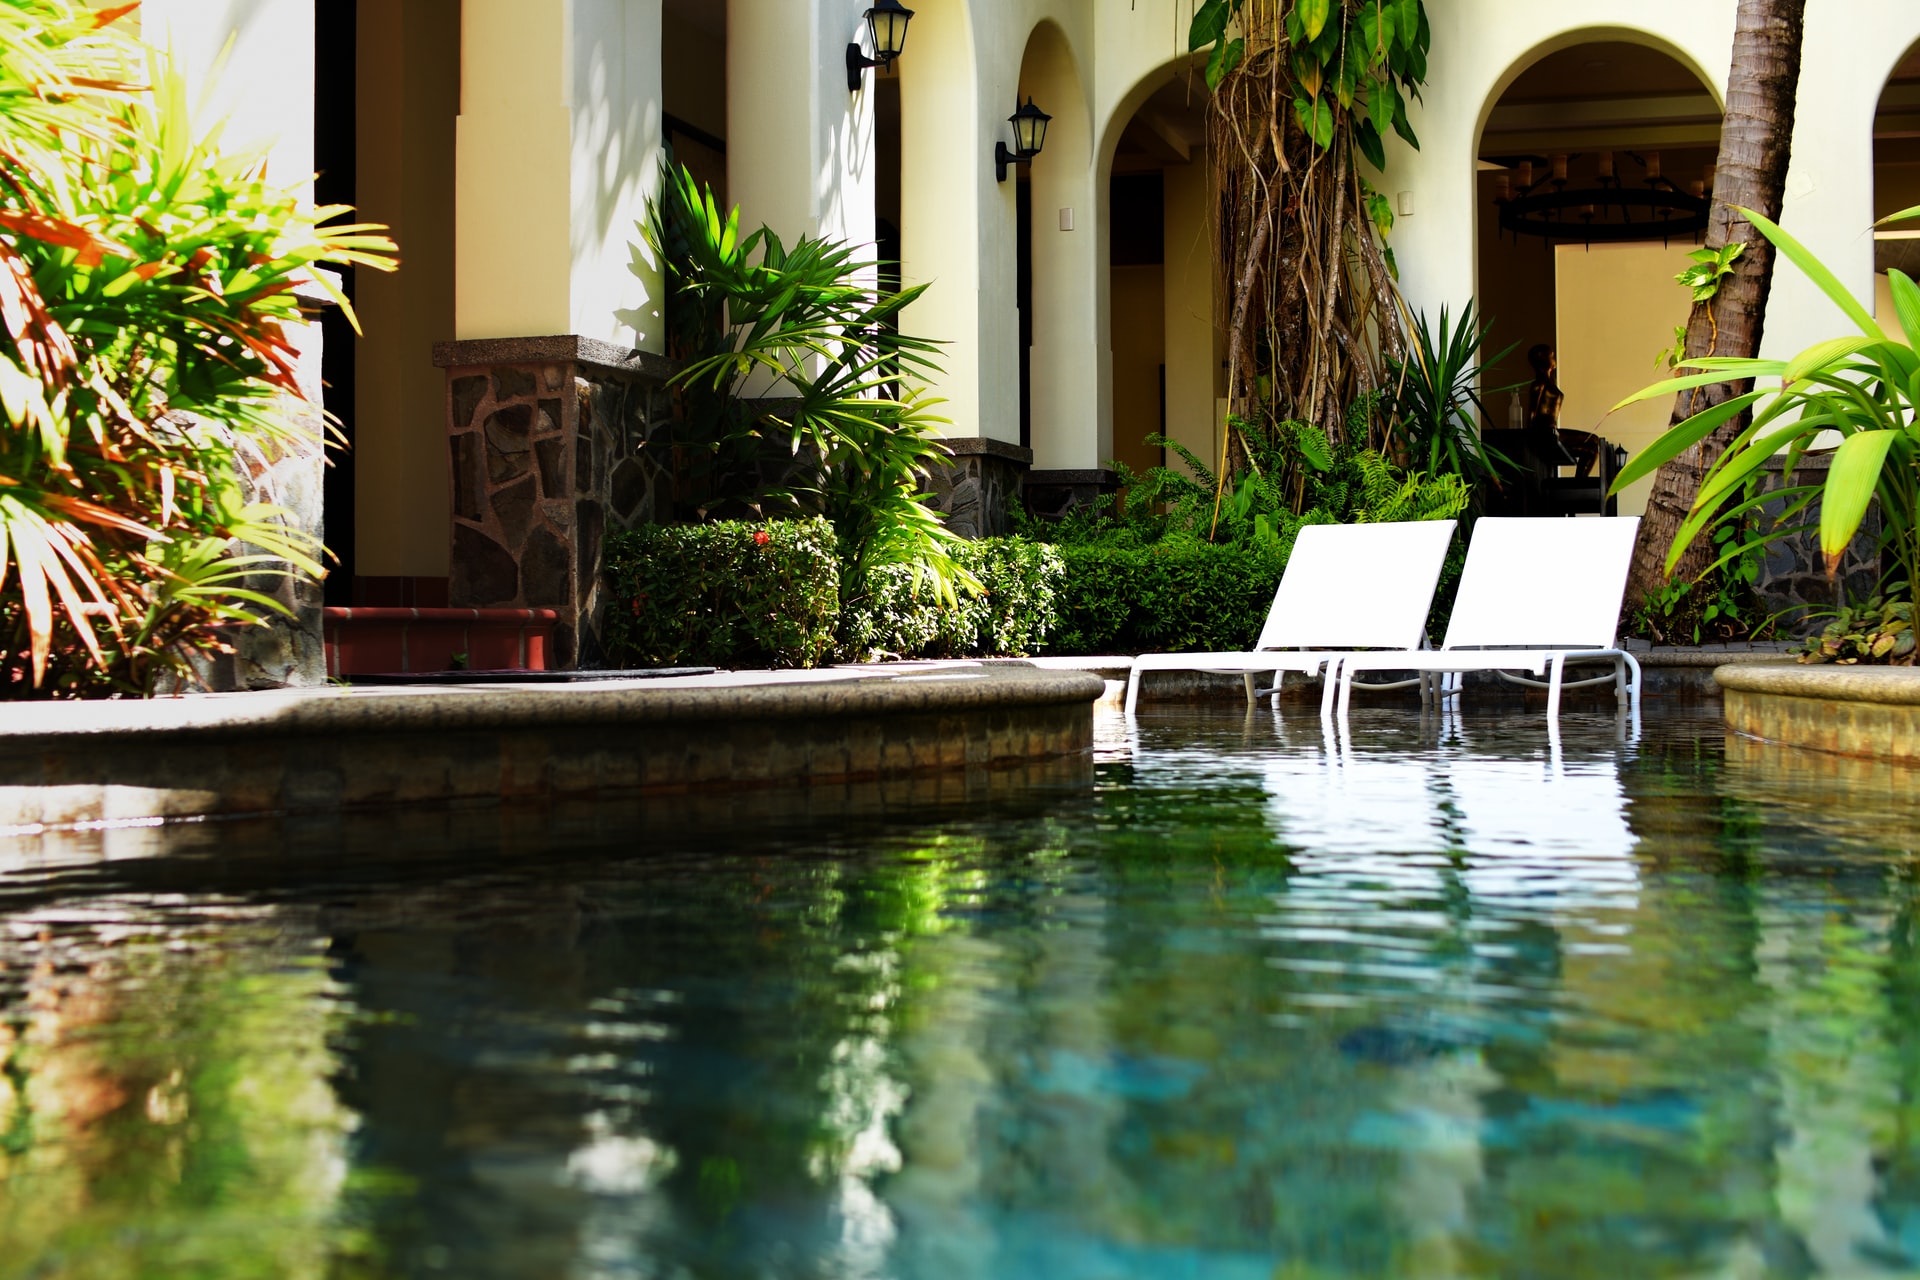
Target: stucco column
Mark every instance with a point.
(1069, 238)
(944, 160)
(557, 160)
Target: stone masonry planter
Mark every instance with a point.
(1851, 711)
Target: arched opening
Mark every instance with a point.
(1594, 168)
(1896, 178)
(1165, 375)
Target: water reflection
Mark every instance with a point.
(1440, 998)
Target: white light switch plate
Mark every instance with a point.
(1066, 219)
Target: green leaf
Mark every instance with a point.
(1380, 105)
(1851, 480)
(1821, 355)
(1409, 14)
(1681, 437)
(1313, 16)
(1906, 304)
(1668, 386)
(1209, 25)
(1816, 271)
(1225, 58)
(1367, 138)
(1316, 119)
(1901, 216)
(1401, 125)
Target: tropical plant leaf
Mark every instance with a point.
(1816, 271)
(1851, 481)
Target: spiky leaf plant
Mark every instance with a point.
(147, 279)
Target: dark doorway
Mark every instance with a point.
(1023, 299)
(334, 95)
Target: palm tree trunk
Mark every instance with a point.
(1755, 142)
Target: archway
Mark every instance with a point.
(1636, 131)
(1165, 374)
(1896, 178)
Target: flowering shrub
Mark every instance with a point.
(739, 594)
(725, 594)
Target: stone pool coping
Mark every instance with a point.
(1852, 711)
(316, 750)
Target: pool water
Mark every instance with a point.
(1240, 999)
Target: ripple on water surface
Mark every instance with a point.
(1434, 997)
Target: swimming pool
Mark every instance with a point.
(1438, 997)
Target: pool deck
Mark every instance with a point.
(64, 765)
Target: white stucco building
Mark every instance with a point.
(513, 145)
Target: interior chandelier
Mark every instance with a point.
(1611, 211)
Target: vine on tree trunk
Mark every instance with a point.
(1303, 90)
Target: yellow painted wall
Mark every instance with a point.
(1194, 379)
(409, 97)
(512, 185)
(1139, 347)
(1618, 305)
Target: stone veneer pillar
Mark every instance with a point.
(544, 449)
(977, 487)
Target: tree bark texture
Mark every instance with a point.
(1755, 144)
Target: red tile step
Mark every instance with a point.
(370, 641)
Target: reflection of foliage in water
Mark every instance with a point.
(1152, 1026)
(170, 1106)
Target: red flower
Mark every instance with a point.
(761, 538)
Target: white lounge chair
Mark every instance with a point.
(1536, 595)
(1346, 586)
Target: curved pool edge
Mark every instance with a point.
(319, 750)
(1872, 712)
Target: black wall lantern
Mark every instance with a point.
(1029, 136)
(887, 24)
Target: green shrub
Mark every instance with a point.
(1176, 595)
(727, 594)
(1017, 610)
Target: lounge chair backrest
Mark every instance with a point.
(1358, 586)
(1543, 583)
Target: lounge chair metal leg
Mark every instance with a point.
(1634, 683)
(1329, 687)
(1133, 689)
(1346, 689)
(1553, 686)
(1273, 699)
(1246, 678)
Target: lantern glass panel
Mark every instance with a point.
(888, 23)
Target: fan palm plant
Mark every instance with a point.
(1863, 388)
(147, 277)
(793, 359)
